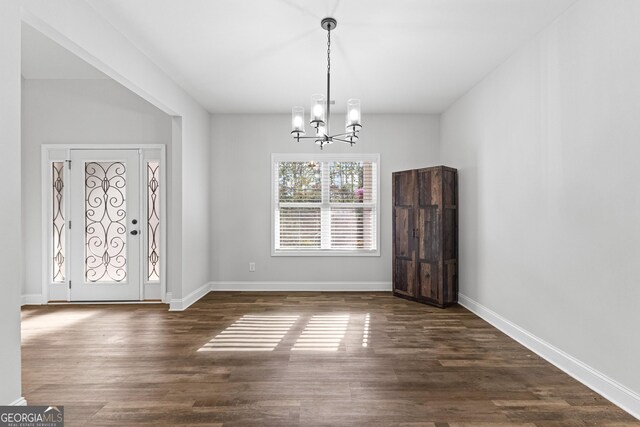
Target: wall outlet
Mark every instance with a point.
(252, 266)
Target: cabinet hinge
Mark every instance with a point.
(69, 284)
(68, 162)
(69, 225)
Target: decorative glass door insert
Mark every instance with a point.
(105, 228)
(105, 221)
(153, 221)
(58, 223)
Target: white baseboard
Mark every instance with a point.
(31, 299)
(181, 304)
(610, 389)
(302, 286)
(19, 402)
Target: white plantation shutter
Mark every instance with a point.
(300, 228)
(353, 228)
(325, 204)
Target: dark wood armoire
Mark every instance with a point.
(425, 235)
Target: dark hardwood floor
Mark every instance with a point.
(333, 359)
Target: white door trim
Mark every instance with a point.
(60, 152)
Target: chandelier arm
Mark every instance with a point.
(342, 140)
(342, 134)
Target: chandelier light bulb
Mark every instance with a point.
(297, 122)
(353, 124)
(354, 116)
(317, 112)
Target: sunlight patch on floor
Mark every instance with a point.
(365, 332)
(57, 321)
(252, 333)
(323, 333)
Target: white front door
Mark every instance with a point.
(105, 225)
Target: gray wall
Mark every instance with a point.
(195, 203)
(80, 112)
(547, 147)
(241, 203)
(10, 249)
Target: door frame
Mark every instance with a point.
(51, 153)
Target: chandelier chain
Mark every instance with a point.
(329, 49)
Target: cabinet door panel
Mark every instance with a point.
(449, 188)
(449, 248)
(424, 188)
(429, 234)
(429, 253)
(430, 187)
(429, 282)
(404, 187)
(404, 244)
(405, 281)
(451, 282)
(403, 236)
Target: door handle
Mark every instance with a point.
(134, 232)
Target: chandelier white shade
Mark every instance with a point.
(320, 109)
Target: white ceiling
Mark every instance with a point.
(263, 56)
(42, 58)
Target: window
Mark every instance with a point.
(58, 222)
(153, 221)
(325, 204)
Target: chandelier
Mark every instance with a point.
(320, 113)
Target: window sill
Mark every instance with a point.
(328, 253)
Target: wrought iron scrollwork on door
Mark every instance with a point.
(105, 222)
(153, 221)
(58, 222)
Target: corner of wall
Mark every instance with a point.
(181, 304)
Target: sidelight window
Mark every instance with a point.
(58, 222)
(153, 221)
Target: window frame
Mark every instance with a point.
(324, 157)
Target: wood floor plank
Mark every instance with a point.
(298, 359)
